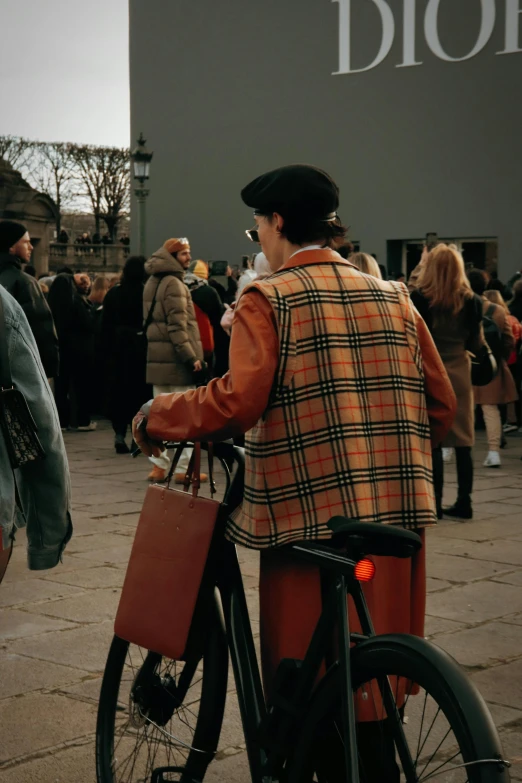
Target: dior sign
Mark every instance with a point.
(487, 10)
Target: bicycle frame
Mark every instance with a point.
(266, 753)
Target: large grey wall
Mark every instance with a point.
(226, 90)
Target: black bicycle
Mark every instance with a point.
(159, 721)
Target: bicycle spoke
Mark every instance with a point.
(436, 750)
(429, 730)
(141, 740)
(419, 749)
(434, 771)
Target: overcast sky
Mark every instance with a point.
(64, 70)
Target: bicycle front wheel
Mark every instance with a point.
(435, 727)
(159, 719)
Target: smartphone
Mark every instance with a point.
(218, 268)
(432, 239)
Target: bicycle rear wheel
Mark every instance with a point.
(445, 732)
(159, 720)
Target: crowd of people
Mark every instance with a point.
(164, 325)
(350, 391)
(85, 238)
(98, 345)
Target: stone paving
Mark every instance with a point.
(56, 626)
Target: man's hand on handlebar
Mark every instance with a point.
(149, 447)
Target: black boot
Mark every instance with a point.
(120, 445)
(462, 508)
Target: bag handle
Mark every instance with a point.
(6, 380)
(193, 474)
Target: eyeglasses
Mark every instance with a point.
(253, 234)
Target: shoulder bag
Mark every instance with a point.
(167, 563)
(16, 420)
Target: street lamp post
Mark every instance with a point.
(141, 159)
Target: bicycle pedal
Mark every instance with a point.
(158, 776)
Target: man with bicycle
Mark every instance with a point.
(341, 392)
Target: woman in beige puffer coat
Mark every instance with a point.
(174, 350)
(174, 345)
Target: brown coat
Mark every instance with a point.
(502, 388)
(454, 336)
(173, 335)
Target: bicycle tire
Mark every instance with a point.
(211, 705)
(430, 667)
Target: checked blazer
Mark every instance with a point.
(346, 430)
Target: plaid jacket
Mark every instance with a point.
(346, 430)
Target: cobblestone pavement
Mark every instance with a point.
(55, 627)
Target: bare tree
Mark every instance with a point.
(54, 173)
(116, 186)
(17, 151)
(90, 174)
(75, 175)
(104, 175)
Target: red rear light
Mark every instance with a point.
(364, 570)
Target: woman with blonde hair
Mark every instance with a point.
(366, 263)
(454, 316)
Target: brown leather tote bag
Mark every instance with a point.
(167, 563)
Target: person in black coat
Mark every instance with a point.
(15, 250)
(222, 281)
(126, 349)
(74, 319)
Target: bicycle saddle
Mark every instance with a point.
(368, 538)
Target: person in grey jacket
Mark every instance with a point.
(15, 250)
(43, 487)
(174, 351)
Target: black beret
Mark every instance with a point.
(293, 190)
(10, 233)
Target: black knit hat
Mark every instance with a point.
(10, 233)
(294, 190)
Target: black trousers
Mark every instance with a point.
(74, 384)
(464, 474)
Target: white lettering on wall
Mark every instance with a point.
(387, 36)
(486, 8)
(513, 12)
(431, 30)
(408, 44)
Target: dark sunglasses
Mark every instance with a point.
(253, 235)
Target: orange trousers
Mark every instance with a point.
(290, 606)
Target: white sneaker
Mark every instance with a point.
(492, 460)
(510, 428)
(447, 454)
(88, 428)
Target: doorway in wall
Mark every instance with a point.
(480, 252)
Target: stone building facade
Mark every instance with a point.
(19, 201)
